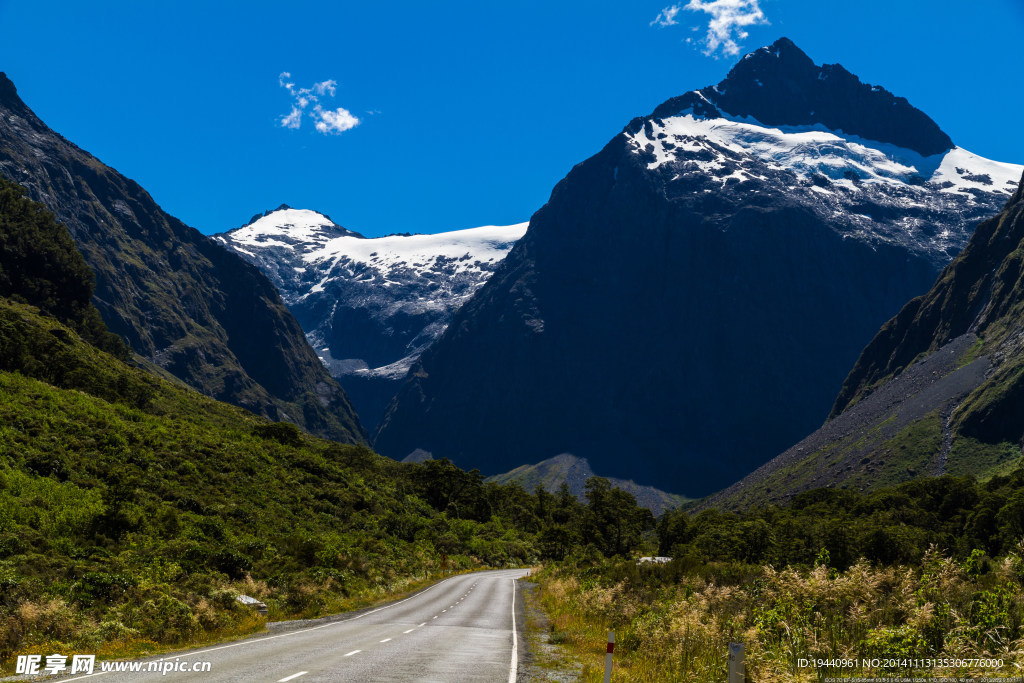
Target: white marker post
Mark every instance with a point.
(608, 657)
(737, 669)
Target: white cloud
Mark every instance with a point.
(728, 20)
(325, 87)
(292, 120)
(326, 121)
(667, 16)
(334, 122)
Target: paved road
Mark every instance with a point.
(460, 629)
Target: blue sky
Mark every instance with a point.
(468, 112)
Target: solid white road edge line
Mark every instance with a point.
(515, 645)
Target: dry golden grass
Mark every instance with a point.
(680, 632)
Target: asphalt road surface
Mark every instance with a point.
(461, 629)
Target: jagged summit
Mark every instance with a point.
(10, 100)
(7, 88)
(875, 167)
(779, 85)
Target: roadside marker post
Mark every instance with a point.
(608, 657)
(737, 668)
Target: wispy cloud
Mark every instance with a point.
(326, 121)
(729, 18)
(667, 16)
(292, 120)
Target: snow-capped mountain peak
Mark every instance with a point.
(874, 166)
(288, 228)
(694, 293)
(780, 85)
(369, 306)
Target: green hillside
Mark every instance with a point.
(128, 503)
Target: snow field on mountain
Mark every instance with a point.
(810, 150)
(467, 248)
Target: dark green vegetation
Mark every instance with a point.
(181, 301)
(893, 525)
(40, 266)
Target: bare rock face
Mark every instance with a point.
(180, 300)
(687, 303)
